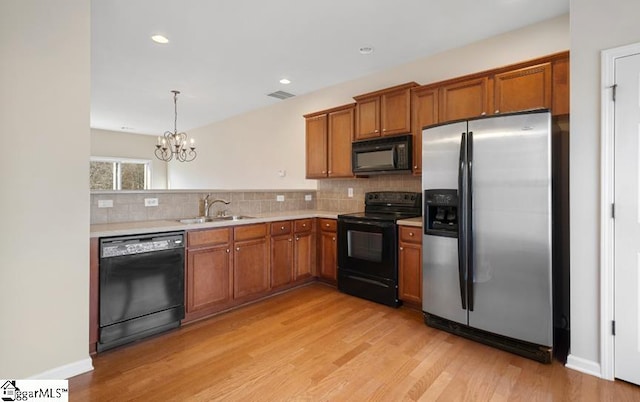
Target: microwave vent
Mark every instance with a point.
(281, 95)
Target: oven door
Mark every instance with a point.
(367, 247)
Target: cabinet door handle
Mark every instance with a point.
(415, 166)
(483, 114)
(281, 227)
(375, 131)
(289, 238)
(333, 238)
(411, 234)
(401, 248)
(329, 171)
(228, 250)
(297, 238)
(497, 111)
(237, 248)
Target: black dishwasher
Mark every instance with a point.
(141, 287)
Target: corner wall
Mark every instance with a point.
(44, 207)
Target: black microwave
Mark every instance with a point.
(382, 155)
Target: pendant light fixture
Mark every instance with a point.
(174, 144)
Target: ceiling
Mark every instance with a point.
(225, 56)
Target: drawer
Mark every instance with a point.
(328, 225)
(411, 234)
(282, 227)
(250, 232)
(302, 225)
(200, 238)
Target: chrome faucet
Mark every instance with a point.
(208, 204)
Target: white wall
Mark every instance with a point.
(596, 25)
(44, 207)
(127, 145)
(246, 151)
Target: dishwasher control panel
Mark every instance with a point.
(115, 247)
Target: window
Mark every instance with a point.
(119, 174)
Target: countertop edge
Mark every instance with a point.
(417, 222)
(170, 225)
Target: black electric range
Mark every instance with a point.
(367, 245)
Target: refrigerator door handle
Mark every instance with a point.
(469, 223)
(461, 224)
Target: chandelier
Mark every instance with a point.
(174, 144)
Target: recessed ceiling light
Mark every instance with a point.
(285, 81)
(159, 39)
(366, 50)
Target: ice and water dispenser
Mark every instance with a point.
(441, 212)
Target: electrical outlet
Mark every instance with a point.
(105, 203)
(280, 198)
(308, 197)
(150, 202)
(282, 173)
(350, 192)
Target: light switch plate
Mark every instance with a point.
(105, 203)
(280, 198)
(150, 202)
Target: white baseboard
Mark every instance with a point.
(584, 366)
(66, 371)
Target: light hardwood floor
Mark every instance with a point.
(315, 344)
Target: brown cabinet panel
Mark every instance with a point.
(368, 118)
(463, 99)
(328, 249)
(302, 225)
(248, 232)
(250, 267)
(384, 112)
(395, 112)
(523, 89)
(281, 260)
(303, 255)
(330, 225)
(280, 227)
(209, 281)
(328, 142)
(424, 112)
(340, 138)
(208, 237)
(560, 104)
(316, 146)
(410, 273)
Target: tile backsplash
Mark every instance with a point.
(332, 195)
(176, 204)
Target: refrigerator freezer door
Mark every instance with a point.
(440, 285)
(440, 279)
(511, 209)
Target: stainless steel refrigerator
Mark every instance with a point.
(487, 258)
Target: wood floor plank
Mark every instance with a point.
(317, 344)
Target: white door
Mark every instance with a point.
(627, 219)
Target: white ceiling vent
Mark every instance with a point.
(281, 95)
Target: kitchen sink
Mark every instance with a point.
(202, 219)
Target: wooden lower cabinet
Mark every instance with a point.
(281, 254)
(250, 260)
(328, 250)
(410, 265)
(303, 249)
(209, 280)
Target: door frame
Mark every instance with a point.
(607, 180)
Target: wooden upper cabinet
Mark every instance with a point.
(340, 134)
(316, 146)
(464, 99)
(560, 102)
(329, 135)
(424, 112)
(523, 89)
(384, 112)
(368, 118)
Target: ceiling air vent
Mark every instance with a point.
(281, 95)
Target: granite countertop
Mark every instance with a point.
(417, 222)
(133, 228)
